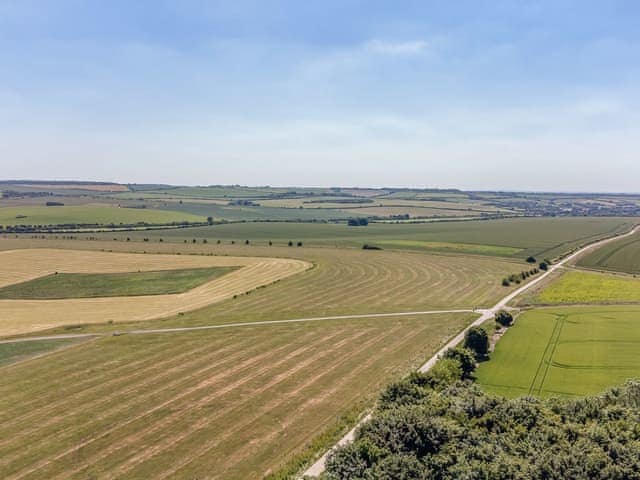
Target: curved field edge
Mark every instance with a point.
(93, 285)
(241, 402)
(349, 282)
(23, 316)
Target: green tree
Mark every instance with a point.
(504, 318)
(477, 340)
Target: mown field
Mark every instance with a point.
(90, 214)
(619, 256)
(236, 403)
(19, 351)
(87, 285)
(341, 282)
(565, 351)
(586, 287)
(23, 316)
(541, 237)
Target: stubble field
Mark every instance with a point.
(236, 403)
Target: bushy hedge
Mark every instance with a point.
(437, 426)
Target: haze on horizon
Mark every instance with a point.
(507, 95)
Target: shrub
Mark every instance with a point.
(531, 259)
(504, 318)
(543, 266)
(505, 282)
(367, 246)
(464, 357)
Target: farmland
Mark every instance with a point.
(21, 316)
(621, 256)
(86, 285)
(343, 281)
(236, 401)
(586, 287)
(520, 237)
(565, 351)
(234, 404)
(19, 351)
(90, 214)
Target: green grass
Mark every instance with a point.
(566, 352)
(82, 285)
(587, 287)
(541, 237)
(620, 256)
(14, 352)
(451, 247)
(90, 214)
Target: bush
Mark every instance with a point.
(543, 266)
(477, 340)
(531, 259)
(367, 246)
(504, 318)
(505, 282)
(465, 359)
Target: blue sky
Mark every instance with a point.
(535, 95)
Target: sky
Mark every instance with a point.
(509, 95)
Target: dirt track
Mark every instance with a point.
(22, 316)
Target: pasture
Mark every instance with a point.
(22, 316)
(620, 256)
(565, 351)
(90, 214)
(576, 287)
(237, 403)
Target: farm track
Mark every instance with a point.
(22, 316)
(317, 468)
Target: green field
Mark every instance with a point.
(240, 402)
(620, 256)
(90, 214)
(450, 247)
(15, 352)
(84, 285)
(565, 351)
(586, 287)
(521, 237)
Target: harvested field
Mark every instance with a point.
(230, 404)
(342, 282)
(21, 316)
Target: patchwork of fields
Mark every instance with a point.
(246, 402)
(541, 237)
(22, 316)
(565, 351)
(230, 404)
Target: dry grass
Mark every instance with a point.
(21, 316)
(230, 404)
